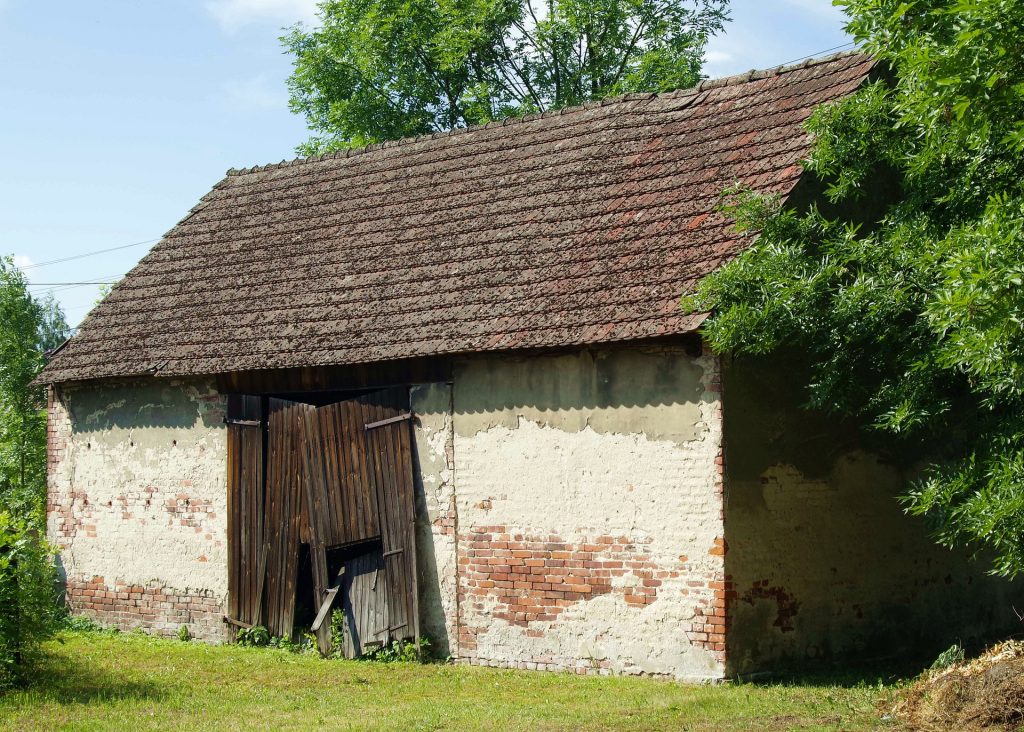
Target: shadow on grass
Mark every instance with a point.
(65, 680)
(847, 676)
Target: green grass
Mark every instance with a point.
(88, 681)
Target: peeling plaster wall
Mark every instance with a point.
(137, 502)
(434, 471)
(589, 512)
(823, 560)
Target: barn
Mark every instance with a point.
(444, 386)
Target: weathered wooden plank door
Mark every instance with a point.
(359, 459)
(389, 470)
(283, 513)
(246, 557)
(334, 476)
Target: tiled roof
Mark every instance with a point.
(582, 226)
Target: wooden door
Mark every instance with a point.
(335, 476)
(360, 488)
(283, 511)
(389, 471)
(246, 556)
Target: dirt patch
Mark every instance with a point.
(985, 693)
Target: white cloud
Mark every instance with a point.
(233, 14)
(255, 93)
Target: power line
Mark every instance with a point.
(88, 254)
(819, 53)
(53, 288)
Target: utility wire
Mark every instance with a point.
(819, 53)
(88, 254)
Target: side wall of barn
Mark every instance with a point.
(824, 562)
(137, 503)
(569, 509)
(588, 499)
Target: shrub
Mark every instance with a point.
(257, 635)
(82, 624)
(29, 610)
(952, 655)
(400, 651)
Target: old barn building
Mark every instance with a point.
(444, 384)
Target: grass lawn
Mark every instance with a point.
(130, 681)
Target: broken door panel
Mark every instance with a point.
(364, 602)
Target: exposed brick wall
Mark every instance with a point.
(530, 580)
(152, 607)
(709, 628)
(58, 432)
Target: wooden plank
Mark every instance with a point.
(315, 510)
(324, 607)
(399, 604)
(245, 478)
(407, 501)
(285, 487)
(258, 597)
(357, 484)
(234, 527)
(376, 474)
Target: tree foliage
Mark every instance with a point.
(29, 610)
(384, 69)
(912, 320)
(28, 328)
(28, 606)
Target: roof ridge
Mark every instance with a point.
(703, 85)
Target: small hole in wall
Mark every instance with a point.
(174, 443)
(131, 444)
(88, 446)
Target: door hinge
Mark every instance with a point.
(389, 420)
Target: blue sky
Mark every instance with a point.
(117, 115)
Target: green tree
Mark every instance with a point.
(384, 69)
(28, 598)
(28, 328)
(913, 319)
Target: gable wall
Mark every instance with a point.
(137, 503)
(824, 562)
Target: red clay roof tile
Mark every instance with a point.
(573, 227)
